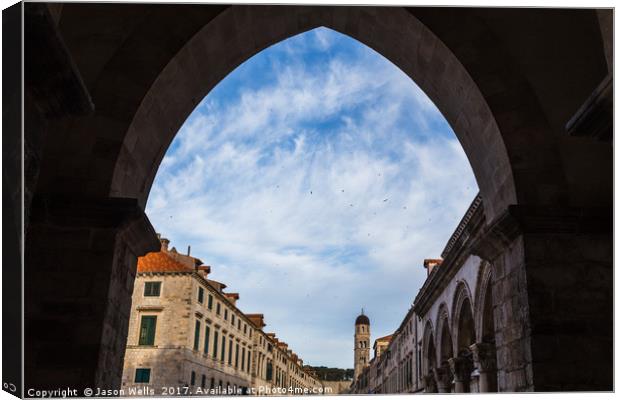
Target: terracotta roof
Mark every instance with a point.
(217, 284)
(160, 262)
(257, 319)
(387, 338)
(206, 268)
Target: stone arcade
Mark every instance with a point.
(527, 92)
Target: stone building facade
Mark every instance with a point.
(456, 315)
(447, 340)
(394, 366)
(187, 336)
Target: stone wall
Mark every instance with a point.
(337, 387)
(76, 316)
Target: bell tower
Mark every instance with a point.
(361, 349)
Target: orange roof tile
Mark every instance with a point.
(232, 295)
(257, 319)
(160, 262)
(387, 338)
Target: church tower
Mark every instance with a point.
(362, 344)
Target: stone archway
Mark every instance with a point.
(445, 351)
(429, 359)
(487, 327)
(547, 192)
(484, 351)
(472, 120)
(464, 325)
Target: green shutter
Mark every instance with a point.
(215, 337)
(143, 375)
(197, 335)
(201, 295)
(207, 333)
(147, 330)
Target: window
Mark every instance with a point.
(226, 315)
(192, 381)
(245, 329)
(212, 383)
(248, 363)
(207, 333)
(147, 330)
(203, 382)
(239, 324)
(143, 375)
(237, 356)
(230, 347)
(197, 336)
(201, 295)
(210, 302)
(215, 337)
(218, 309)
(152, 289)
(224, 348)
(232, 319)
(242, 359)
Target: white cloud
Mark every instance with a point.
(310, 222)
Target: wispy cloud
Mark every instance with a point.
(317, 192)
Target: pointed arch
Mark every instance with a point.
(441, 76)
(463, 319)
(429, 352)
(483, 315)
(445, 348)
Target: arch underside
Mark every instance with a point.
(165, 74)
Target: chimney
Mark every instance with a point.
(431, 263)
(204, 269)
(189, 249)
(257, 319)
(164, 244)
(232, 297)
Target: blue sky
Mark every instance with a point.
(315, 179)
